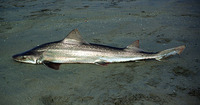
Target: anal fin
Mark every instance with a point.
(102, 63)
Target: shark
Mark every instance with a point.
(74, 49)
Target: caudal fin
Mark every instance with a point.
(170, 52)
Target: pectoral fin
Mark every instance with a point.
(52, 65)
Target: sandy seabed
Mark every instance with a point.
(158, 24)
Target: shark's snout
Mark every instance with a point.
(24, 58)
(15, 56)
(19, 57)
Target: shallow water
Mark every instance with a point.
(157, 24)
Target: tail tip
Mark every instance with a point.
(180, 49)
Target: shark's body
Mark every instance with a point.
(73, 49)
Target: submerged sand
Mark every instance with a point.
(158, 24)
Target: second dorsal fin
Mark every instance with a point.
(135, 44)
(74, 37)
(134, 47)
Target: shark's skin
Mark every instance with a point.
(73, 49)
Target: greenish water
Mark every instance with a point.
(158, 24)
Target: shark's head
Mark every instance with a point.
(26, 57)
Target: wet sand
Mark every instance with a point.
(157, 24)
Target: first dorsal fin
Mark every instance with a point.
(74, 37)
(135, 44)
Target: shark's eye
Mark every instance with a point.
(24, 57)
